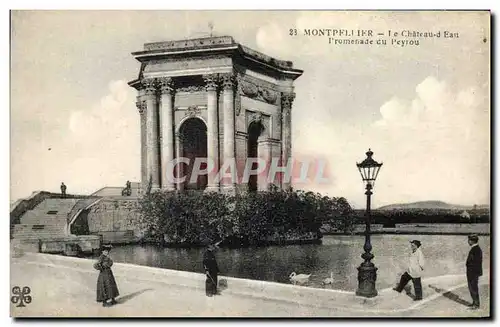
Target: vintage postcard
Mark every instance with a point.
(250, 164)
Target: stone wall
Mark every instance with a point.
(116, 220)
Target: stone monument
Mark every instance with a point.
(212, 98)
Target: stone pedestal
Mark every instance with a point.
(264, 151)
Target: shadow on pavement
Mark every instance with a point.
(222, 285)
(407, 290)
(127, 297)
(450, 295)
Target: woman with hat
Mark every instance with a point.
(414, 271)
(107, 290)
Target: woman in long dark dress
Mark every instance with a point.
(107, 290)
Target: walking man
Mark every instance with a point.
(474, 266)
(63, 190)
(414, 271)
(211, 270)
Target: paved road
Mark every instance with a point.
(59, 291)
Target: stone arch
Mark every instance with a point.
(255, 132)
(192, 138)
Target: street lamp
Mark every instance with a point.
(367, 272)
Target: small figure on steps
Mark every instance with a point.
(63, 190)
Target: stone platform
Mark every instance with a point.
(68, 245)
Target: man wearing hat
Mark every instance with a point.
(211, 269)
(414, 271)
(474, 266)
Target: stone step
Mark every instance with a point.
(31, 230)
(41, 231)
(45, 222)
(48, 236)
(38, 225)
(38, 231)
(40, 228)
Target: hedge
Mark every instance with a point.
(237, 220)
(424, 216)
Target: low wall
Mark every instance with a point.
(115, 220)
(83, 243)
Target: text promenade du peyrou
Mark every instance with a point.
(398, 38)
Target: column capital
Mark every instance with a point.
(149, 85)
(141, 105)
(211, 81)
(166, 85)
(228, 81)
(287, 100)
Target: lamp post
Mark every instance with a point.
(367, 272)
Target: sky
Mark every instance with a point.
(423, 110)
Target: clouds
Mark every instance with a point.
(435, 146)
(108, 132)
(93, 148)
(424, 111)
(444, 152)
(109, 117)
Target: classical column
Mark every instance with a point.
(141, 106)
(228, 84)
(178, 167)
(212, 130)
(286, 130)
(152, 147)
(167, 130)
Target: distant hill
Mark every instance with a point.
(430, 205)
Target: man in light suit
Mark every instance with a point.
(474, 265)
(414, 271)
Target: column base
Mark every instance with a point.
(228, 189)
(212, 188)
(367, 276)
(169, 188)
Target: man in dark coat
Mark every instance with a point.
(211, 270)
(474, 266)
(63, 190)
(106, 284)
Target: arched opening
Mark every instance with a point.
(193, 144)
(254, 131)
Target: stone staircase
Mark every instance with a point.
(116, 192)
(47, 220)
